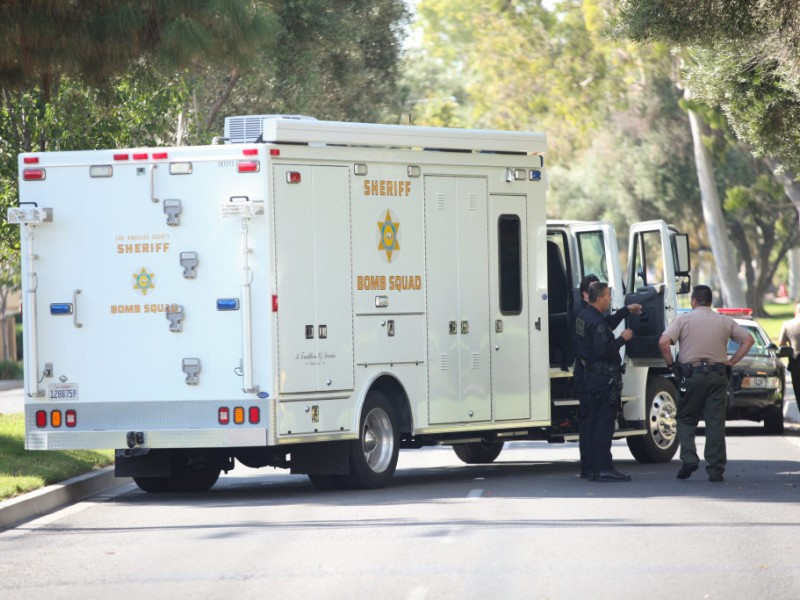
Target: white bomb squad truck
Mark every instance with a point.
(317, 295)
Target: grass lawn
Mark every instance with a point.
(24, 470)
(778, 314)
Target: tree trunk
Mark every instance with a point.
(721, 248)
(794, 275)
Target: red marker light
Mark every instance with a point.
(293, 177)
(254, 415)
(247, 166)
(274, 303)
(31, 160)
(274, 151)
(33, 175)
(140, 156)
(70, 418)
(250, 152)
(122, 156)
(159, 155)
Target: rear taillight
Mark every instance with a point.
(254, 415)
(41, 418)
(33, 174)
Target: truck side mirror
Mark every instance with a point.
(680, 254)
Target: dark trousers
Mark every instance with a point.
(706, 396)
(794, 369)
(596, 416)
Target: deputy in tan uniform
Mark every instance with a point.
(702, 372)
(790, 336)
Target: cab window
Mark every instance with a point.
(649, 259)
(592, 254)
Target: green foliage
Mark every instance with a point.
(24, 470)
(10, 370)
(745, 58)
(96, 40)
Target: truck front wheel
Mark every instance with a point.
(373, 457)
(660, 442)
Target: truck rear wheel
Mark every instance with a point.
(152, 485)
(373, 457)
(475, 453)
(660, 442)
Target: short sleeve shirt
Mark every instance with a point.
(790, 333)
(703, 334)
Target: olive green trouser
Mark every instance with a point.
(706, 397)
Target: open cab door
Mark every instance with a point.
(658, 270)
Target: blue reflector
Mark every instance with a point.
(61, 309)
(536, 175)
(227, 304)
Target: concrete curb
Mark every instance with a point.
(39, 502)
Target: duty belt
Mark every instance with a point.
(689, 368)
(604, 367)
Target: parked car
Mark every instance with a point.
(755, 390)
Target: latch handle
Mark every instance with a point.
(75, 321)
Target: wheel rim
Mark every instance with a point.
(663, 424)
(377, 440)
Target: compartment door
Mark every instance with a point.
(511, 365)
(312, 240)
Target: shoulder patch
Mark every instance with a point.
(580, 327)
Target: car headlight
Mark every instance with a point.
(757, 382)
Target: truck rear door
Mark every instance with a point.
(137, 286)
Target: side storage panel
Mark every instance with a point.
(312, 249)
(457, 281)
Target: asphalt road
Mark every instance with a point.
(524, 527)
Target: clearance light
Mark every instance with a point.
(31, 160)
(293, 177)
(33, 175)
(224, 415)
(238, 415)
(41, 418)
(248, 166)
(274, 151)
(61, 308)
(140, 156)
(101, 171)
(250, 152)
(274, 303)
(159, 155)
(254, 415)
(55, 418)
(121, 156)
(180, 168)
(70, 418)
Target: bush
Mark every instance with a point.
(10, 369)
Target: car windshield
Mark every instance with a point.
(759, 347)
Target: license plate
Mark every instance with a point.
(62, 391)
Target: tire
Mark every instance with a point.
(189, 477)
(152, 485)
(373, 457)
(773, 423)
(328, 482)
(475, 453)
(660, 442)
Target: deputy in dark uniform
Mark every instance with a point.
(598, 351)
(578, 373)
(702, 372)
